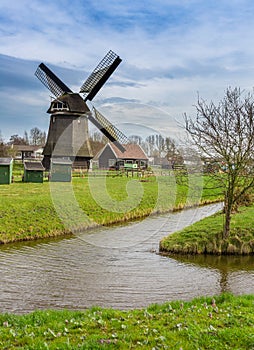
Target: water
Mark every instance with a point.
(115, 267)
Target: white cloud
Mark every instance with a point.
(170, 50)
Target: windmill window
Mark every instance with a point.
(59, 105)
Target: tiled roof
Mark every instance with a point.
(132, 151)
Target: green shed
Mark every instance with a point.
(6, 165)
(33, 172)
(60, 170)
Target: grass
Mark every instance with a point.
(223, 322)
(205, 236)
(29, 211)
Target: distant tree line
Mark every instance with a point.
(154, 145)
(35, 137)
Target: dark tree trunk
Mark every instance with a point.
(226, 229)
(228, 211)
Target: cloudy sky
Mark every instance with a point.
(171, 50)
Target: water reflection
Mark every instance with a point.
(96, 269)
(229, 268)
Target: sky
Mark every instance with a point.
(171, 51)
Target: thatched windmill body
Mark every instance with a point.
(68, 129)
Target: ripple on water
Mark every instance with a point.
(113, 267)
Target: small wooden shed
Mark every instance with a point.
(60, 170)
(27, 151)
(33, 172)
(6, 165)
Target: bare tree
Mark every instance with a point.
(3, 146)
(25, 137)
(225, 132)
(97, 140)
(136, 139)
(17, 140)
(37, 137)
(174, 155)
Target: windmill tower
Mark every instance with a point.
(68, 128)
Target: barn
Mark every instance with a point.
(110, 157)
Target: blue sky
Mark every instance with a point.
(171, 50)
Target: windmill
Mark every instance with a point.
(68, 128)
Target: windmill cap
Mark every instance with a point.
(74, 104)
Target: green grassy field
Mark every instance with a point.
(30, 211)
(205, 236)
(223, 322)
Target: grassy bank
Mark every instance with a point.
(205, 236)
(223, 322)
(27, 211)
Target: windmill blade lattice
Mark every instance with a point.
(100, 75)
(108, 129)
(51, 81)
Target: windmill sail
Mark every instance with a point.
(108, 129)
(68, 128)
(100, 75)
(51, 81)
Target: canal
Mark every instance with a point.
(116, 267)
